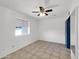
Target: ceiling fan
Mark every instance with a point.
(44, 11)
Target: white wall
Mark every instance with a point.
(75, 6)
(52, 29)
(78, 28)
(73, 28)
(8, 42)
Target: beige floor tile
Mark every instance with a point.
(65, 57)
(56, 54)
(54, 57)
(34, 57)
(41, 50)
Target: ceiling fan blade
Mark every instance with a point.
(38, 15)
(50, 10)
(35, 11)
(46, 14)
(52, 6)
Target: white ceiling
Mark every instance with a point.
(27, 6)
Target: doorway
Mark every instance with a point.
(67, 28)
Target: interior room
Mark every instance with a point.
(39, 29)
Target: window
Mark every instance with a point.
(22, 28)
(18, 31)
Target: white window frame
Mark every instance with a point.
(21, 32)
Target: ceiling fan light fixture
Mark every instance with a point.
(42, 14)
(43, 11)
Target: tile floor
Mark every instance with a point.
(41, 50)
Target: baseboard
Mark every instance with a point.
(73, 48)
(54, 42)
(72, 55)
(14, 50)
